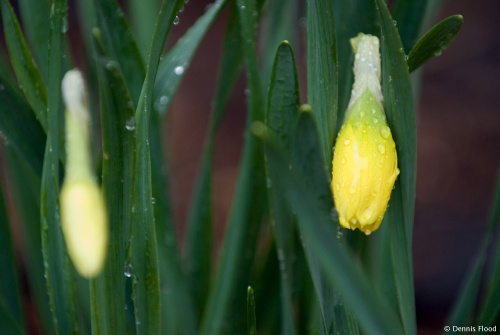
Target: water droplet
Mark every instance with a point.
(381, 148)
(127, 270)
(363, 59)
(176, 20)
(347, 141)
(374, 111)
(362, 114)
(385, 132)
(130, 124)
(438, 52)
(133, 208)
(375, 120)
(153, 201)
(268, 182)
(181, 10)
(394, 23)
(390, 78)
(111, 65)
(368, 231)
(243, 7)
(164, 100)
(342, 161)
(337, 186)
(179, 70)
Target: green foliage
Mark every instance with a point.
(285, 265)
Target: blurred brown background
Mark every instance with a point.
(458, 147)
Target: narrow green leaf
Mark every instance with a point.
(9, 288)
(251, 322)
(314, 224)
(174, 65)
(120, 43)
(409, 15)
(437, 39)
(35, 17)
(143, 243)
(281, 113)
(58, 271)
(19, 126)
(199, 231)
(399, 108)
(322, 71)
(26, 187)
(24, 66)
(108, 290)
(248, 204)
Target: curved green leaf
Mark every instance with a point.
(281, 113)
(434, 41)
(174, 65)
(24, 66)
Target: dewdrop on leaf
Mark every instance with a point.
(83, 213)
(365, 163)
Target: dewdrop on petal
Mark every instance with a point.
(83, 213)
(365, 163)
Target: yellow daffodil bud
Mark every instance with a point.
(365, 164)
(83, 213)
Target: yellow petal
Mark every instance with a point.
(84, 224)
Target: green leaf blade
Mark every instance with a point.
(322, 71)
(27, 73)
(434, 41)
(174, 66)
(143, 240)
(281, 113)
(401, 118)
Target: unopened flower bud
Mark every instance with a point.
(83, 213)
(365, 164)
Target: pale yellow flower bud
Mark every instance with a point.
(83, 213)
(364, 167)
